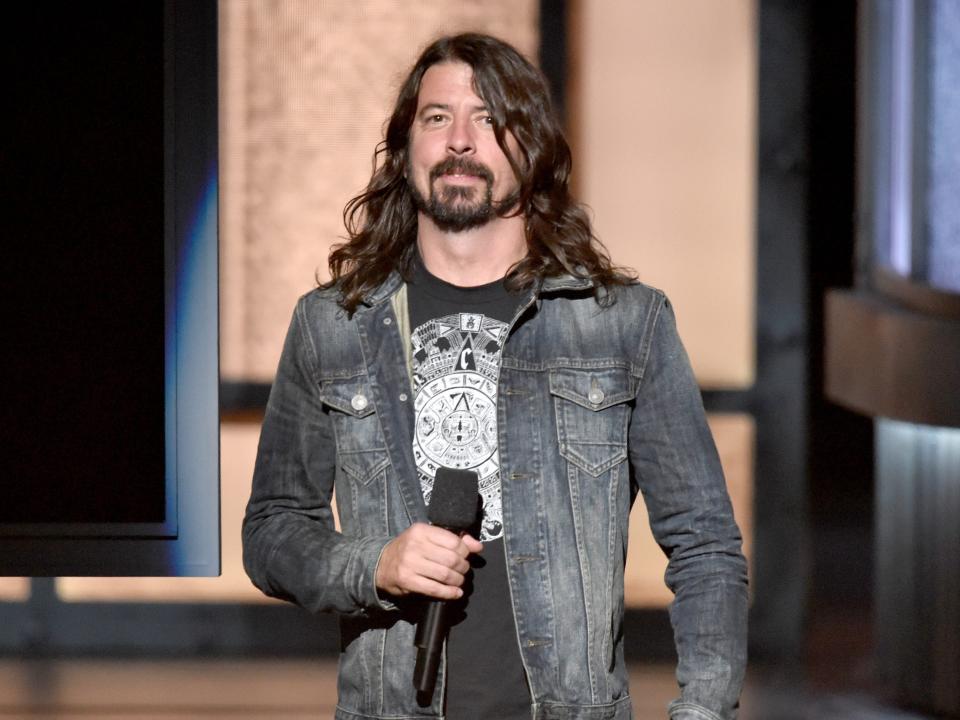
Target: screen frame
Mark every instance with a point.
(187, 542)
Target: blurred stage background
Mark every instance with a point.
(716, 143)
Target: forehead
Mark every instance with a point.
(447, 83)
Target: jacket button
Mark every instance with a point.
(359, 402)
(595, 396)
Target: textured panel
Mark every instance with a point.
(917, 615)
(306, 88)
(663, 109)
(734, 436)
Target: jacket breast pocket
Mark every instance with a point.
(592, 412)
(361, 455)
(361, 449)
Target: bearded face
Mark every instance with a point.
(458, 175)
(455, 201)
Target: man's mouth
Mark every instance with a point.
(460, 170)
(460, 176)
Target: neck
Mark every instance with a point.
(472, 257)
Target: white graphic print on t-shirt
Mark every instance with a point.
(456, 363)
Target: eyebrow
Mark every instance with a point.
(448, 108)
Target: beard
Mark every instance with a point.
(455, 208)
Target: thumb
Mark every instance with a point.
(473, 545)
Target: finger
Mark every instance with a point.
(440, 536)
(429, 581)
(445, 576)
(438, 566)
(472, 544)
(437, 590)
(455, 556)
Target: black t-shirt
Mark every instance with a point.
(457, 335)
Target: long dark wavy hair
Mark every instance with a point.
(381, 221)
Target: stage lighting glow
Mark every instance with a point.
(190, 404)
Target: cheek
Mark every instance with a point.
(506, 178)
(500, 164)
(414, 166)
(421, 162)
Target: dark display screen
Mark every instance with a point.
(82, 375)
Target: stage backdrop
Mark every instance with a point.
(661, 105)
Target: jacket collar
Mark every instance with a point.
(557, 283)
(385, 290)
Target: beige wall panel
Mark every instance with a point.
(305, 89)
(643, 579)
(238, 449)
(663, 113)
(14, 588)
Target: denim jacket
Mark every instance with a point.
(594, 404)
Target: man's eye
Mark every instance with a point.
(487, 120)
(435, 119)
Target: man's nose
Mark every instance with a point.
(460, 141)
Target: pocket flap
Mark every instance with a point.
(351, 396)
(593, 388)
(364, 465)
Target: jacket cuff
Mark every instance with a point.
(683, 710)
(369, 559)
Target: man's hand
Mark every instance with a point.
(427, 560)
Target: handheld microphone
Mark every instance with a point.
(453, 506)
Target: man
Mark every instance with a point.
(474, 322)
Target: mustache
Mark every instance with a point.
(460, 166)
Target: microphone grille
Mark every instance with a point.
(454, 500)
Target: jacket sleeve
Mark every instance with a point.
(290, 547)
(676, 466)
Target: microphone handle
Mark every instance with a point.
(429, 642)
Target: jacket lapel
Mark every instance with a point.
(382, 343)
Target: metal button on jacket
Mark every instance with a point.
(595, 396)
(359, 402)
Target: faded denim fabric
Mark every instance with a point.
(594, 405)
